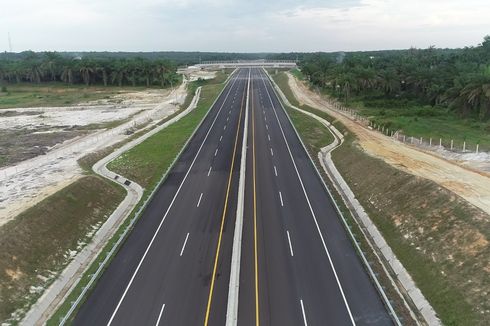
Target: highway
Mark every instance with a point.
(298, 266)
(162, 274)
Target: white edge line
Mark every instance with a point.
(160, 315)
(170, 206)
(199, 201)
(303, 311)
(290, 245)
(311, 209)
(149, 198)
(359, 251)
(185, 242)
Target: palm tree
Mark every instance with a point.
(67, 73)
(119, 70)
(86, 71)
(34, 72)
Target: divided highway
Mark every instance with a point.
(163, 272)
(298, 266)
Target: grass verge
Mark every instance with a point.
(56, 94)
(168, 138)
(37, 245)
(146, 162)
(440, 239)
(418, 120)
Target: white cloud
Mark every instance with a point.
(246, 25)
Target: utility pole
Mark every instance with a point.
(10, 43)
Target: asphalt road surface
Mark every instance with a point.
(298, 266)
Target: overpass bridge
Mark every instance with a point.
(246, 64)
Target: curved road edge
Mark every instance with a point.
(58, 291)
(365, 223)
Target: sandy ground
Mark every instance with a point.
(472, 185)
(28, 182)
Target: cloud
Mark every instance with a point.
(245, 26)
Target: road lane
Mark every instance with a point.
(304, 284)
(298, 266)
(144, 278)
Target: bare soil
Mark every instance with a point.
(474, 186)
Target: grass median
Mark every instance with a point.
(149, 161)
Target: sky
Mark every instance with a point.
(241, 25)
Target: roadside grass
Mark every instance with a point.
(58, 94)
(178, 132)
(441, 240)
(86, 162)
(146, 162)
(417, 120)
(38, 244)
(316, 136)
(298, 74)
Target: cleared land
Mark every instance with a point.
(440, 239)
(98, 125)
(472, 186)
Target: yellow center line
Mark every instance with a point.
(211, 290)
(257, 321)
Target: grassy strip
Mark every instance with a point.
(145, 162)
(163, 139)
(36, 246)
(417, 120)
(56, 94)
(434, 233)
(439, 238)
(298, 74)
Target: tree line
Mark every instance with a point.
(53, 67)
(458, 79)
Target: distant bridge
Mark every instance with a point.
(247, 63)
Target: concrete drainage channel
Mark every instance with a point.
(374, 238)
(68, 280)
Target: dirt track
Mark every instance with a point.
(472, 186)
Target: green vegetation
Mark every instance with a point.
(439, 238)
(298, 74)
(51, 67)
(37, 245)
(313, 132)
(438, 93)
(56, 94)
(162, 148)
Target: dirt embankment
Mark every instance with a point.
(471, 185)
